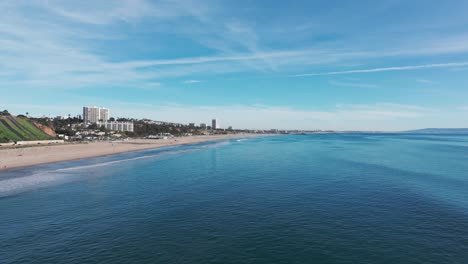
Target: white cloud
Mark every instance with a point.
(352, 84)
(191, 81)
(385, 69)
(424, 81)
(48, 49)
(107, 12)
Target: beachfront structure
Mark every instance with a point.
(214, 124)
(202, 125)
(93, 114)
(117, 126)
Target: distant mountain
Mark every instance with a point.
(21, 128)
(460, 131)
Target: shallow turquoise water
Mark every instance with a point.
(331, 198)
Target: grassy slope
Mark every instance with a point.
(19, 128)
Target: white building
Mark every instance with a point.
(93, 114)
(118, 126)
(214, 124)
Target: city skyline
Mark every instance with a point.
(365, 65)
(101, 116)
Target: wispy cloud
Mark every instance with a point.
(104, 12)
(424, 81)
(352, 84)
(191, 81)
(385, 69)
(55, 46)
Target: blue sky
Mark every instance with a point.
(347, 65)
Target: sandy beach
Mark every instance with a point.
(29, 156)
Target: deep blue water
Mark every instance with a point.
(331, 198)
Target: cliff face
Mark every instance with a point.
(49, 131)
(22, 129)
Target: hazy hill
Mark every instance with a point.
(439, 131)
(21, 128)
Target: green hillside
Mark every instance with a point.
(18, 129)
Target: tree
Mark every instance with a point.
(92, 126)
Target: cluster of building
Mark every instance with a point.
(100, 117)
(214, 125)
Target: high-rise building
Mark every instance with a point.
(104, 114)
(214, 124)
(202, 125)
(93, 114)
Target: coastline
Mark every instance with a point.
(14, 158)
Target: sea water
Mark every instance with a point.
(321, 198)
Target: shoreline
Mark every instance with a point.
(15, 158)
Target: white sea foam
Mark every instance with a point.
(33, 181)
(48, 178)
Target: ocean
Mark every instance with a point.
(321, 198)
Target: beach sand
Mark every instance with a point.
(29, 156)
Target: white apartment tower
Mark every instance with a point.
(214, 124)
(93, 114)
